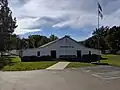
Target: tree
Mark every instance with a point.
(53, 37)
(99, 35)
(13, 43)
(109, 39)
(36, 41)
(7, 23)
(113, 39)
(103, 31)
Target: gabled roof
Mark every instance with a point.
(57, 41)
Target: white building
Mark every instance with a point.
(65, 46)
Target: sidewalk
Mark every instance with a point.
(59, 65)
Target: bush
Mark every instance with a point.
(85, 58)
(25, 58)
(35, 58)
(68, 57)
(45, 58)
(4, 61)
(95, 57)
(91, 58)
(29, 58)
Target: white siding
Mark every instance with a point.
(29, 52)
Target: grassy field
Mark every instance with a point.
(113, 60)
(110, 59)
(17, 65)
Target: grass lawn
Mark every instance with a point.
(79, 64)
(17, 65)
(113, 60)
(15, 59)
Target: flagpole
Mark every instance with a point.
(98, 35)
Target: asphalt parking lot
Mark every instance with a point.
(104, 72)
(68, 79)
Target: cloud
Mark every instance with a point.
(34, 15)
(44, 22)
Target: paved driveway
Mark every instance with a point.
(68, 79)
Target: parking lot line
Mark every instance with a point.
(108, 75)
(97, 76)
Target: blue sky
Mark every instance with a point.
(77, 18)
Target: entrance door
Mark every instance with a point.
(53, 54)
(79, 54)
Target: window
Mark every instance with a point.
(38, 53)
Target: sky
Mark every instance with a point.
(76, 18)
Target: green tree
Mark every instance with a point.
(98, 40)
(100, 35)
(53, 37)
(109, 39)
(113, 39)
(7, 24)
(37, 40)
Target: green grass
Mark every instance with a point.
(79, 64)
(113, 60)
(15, 59)
(25, 66)
(17, 65)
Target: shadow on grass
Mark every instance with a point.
(104, 58)
(96, 63)
(6, 61)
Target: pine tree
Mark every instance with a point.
(7, 23)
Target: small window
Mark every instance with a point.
(38, 53)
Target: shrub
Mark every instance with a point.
(68, 57)
(95, 57)
(4, 61)
(25, 58)
(85, 58)
(45, 58)
(28, 58)
(91, 58)
(35, 58)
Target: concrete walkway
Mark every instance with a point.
(59, 65)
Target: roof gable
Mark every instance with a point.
(45, 45)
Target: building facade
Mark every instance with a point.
(65, 46)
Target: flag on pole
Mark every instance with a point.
(99, 6)
(100, 11)
(100, 14)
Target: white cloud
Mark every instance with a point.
(23, 24)
(23, 31)
(34, 14)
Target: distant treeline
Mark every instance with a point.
(33, 41)
(107, 38)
